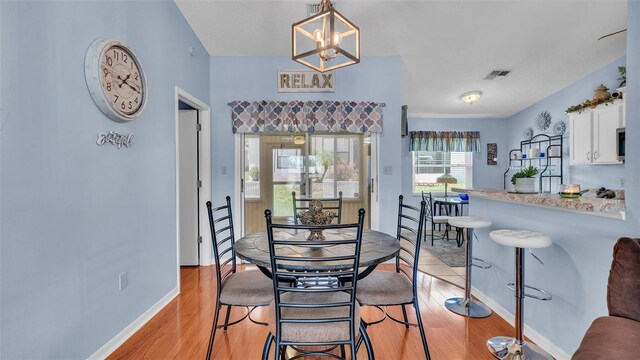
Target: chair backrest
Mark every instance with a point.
(428, 198)
(410, 227)
(623, 288)
(222, 239)
(328, 204)
(345, 250)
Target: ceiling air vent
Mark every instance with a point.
(497, 75)
(313, 9)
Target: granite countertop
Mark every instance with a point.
(588, 204)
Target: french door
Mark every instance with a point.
(272, 166)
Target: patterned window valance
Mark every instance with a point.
(467, 141)
(306, 116)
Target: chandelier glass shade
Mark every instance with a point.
(325, 41)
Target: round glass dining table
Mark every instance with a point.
(376, 248)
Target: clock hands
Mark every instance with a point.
(124, 80)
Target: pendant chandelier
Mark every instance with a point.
(325, 41)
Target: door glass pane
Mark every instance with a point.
(334, 165)
(288, 176)
(252, 167)
(321, 161)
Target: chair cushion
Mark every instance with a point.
(623, 290)
(610, 337)
(381, 288)
(473, 222)
(314, 332)
(247, 288)
(440, 219)
(520, 238)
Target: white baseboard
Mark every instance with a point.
(125, 334)
(535, 336)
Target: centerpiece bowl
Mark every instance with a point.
(315, 217)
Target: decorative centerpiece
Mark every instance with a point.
(315, 216)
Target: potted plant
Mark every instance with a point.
(524, 181)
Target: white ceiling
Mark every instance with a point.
(447, 47)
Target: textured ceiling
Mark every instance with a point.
(447, 47)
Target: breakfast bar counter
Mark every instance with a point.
(575, 267)
(587, 204)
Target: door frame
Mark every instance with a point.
(204, 168)
(238, 202)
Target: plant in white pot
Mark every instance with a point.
(524, 181)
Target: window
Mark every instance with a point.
(334, 166)
(429, 165)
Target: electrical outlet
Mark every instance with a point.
(123, 281)
(388, 170)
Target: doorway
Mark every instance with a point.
(189, 188)
(193, 180)
(274, 165)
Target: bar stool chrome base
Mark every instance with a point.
(507, 348)
(467, 307)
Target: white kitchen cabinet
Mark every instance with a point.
(592, 134)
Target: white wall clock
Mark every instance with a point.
(115, 79)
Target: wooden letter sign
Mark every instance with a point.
(305, 81)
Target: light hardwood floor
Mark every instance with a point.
(181, 329)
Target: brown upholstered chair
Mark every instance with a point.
(617, 336)
(234, 288)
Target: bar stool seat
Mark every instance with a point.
(516, 348)
(520, 239)
(473, 222)
(466, 306)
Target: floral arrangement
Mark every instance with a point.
(588, 104)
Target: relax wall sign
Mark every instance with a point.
(305, 81)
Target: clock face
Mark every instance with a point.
(121, 80)
(115, 79)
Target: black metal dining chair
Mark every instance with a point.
(399, 287)
(328, 204)
(434, 219)
(315, 316)
(248, 289)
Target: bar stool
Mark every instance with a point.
(466, 306)
(504, 347)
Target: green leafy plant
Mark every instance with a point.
(525, 173)
(254, 173)
(622, 70)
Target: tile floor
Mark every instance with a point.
(431, 265)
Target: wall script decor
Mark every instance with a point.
(305, 81)
(492, 154)
(115, 138)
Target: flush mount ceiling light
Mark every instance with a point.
(299, 140)
(325, 41)
(471, 96)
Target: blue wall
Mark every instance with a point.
(587, 175)
(491, 131)
(75, 215)
(254, 78)
(577, 264)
